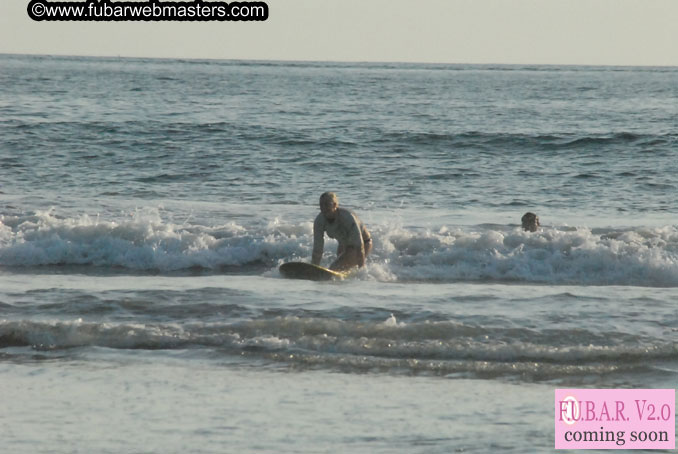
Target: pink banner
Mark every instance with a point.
(615, 419)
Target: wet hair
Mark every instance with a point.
(530, 221)
(330, 196)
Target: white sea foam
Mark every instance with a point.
(645, 256)
(144, 241)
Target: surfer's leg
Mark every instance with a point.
(347, 260)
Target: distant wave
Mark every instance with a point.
(234, 132)
(528, 142)
(146, 242)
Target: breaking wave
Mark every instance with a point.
(145, 242)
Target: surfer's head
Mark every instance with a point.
(329, 202)
(530, 222)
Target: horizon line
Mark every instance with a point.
(346, 62)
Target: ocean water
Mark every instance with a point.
(145, 206)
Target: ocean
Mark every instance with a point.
(146, 204)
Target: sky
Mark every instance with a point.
(577, 32)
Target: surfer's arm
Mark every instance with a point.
(318, 241)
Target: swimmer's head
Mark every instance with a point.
(530, 222)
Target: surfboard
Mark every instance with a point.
(302, 270)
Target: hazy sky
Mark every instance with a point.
(599, 32)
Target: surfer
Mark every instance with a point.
(530, 222)
(355, 242)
